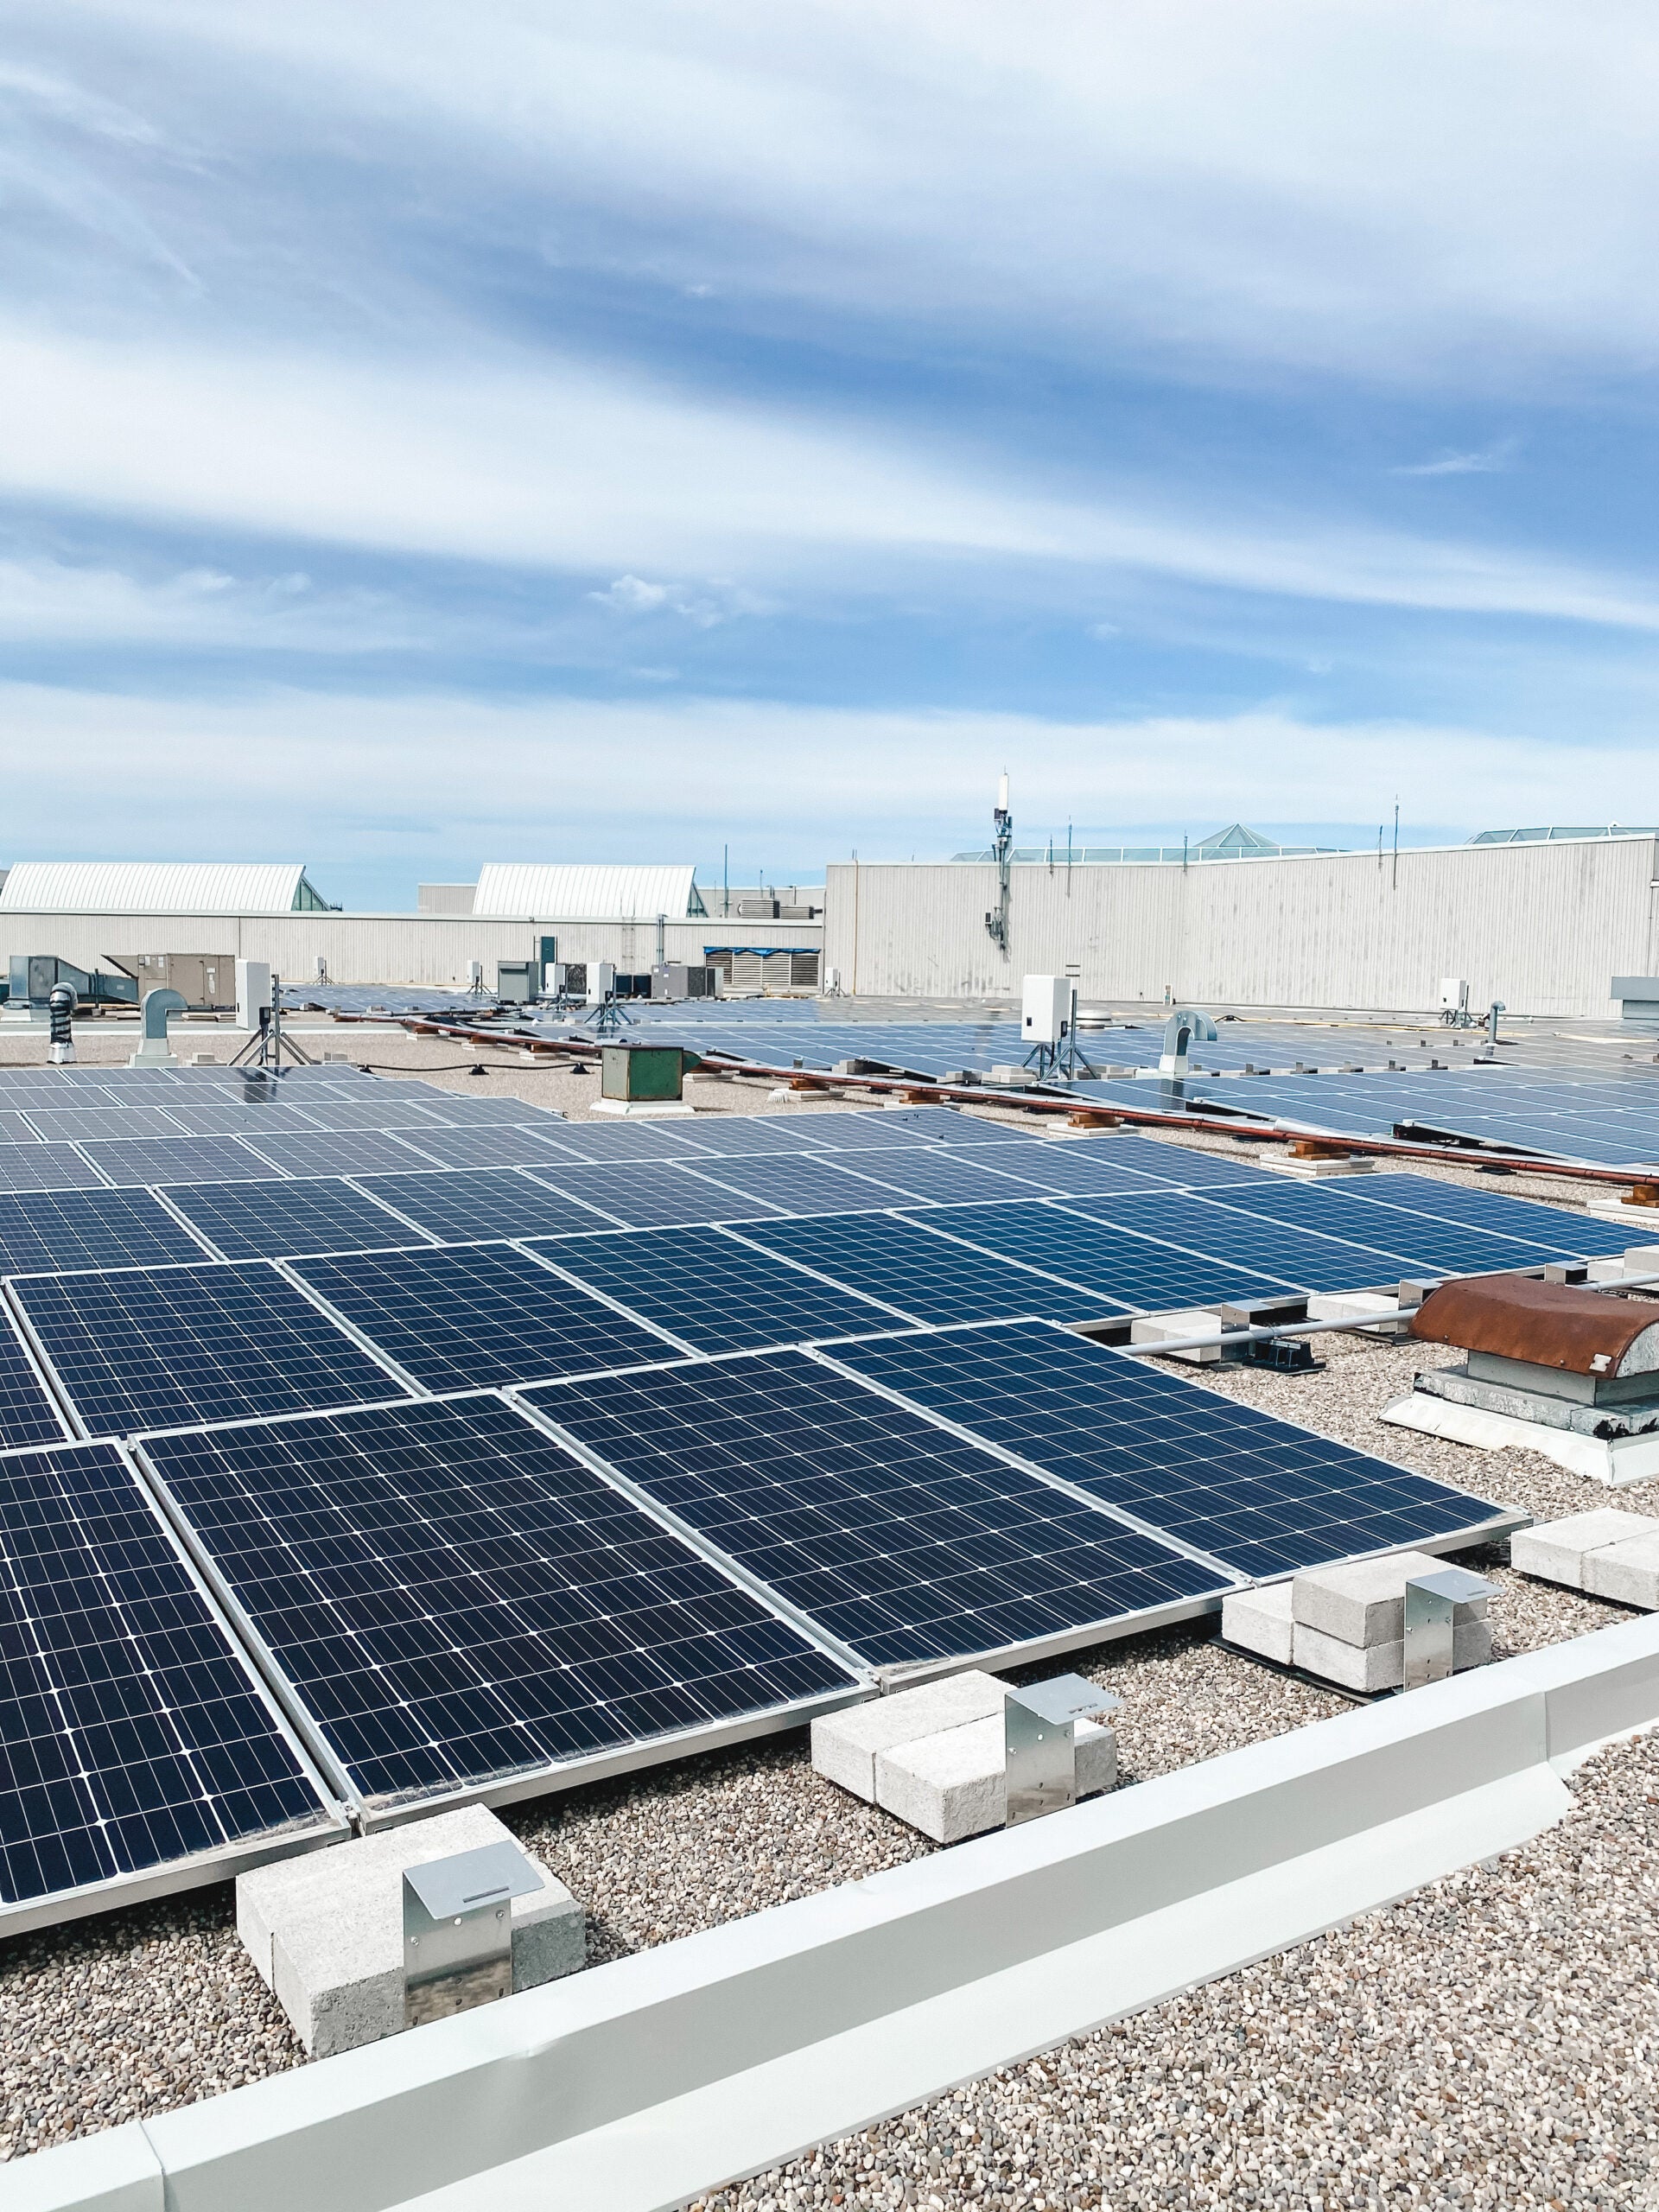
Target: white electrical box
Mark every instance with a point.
(601, 981)
(1454, 994)
(1046, 1016)
(252, 992)
(552, 979)
(474, 974)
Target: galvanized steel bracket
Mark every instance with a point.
(1432, 1600)
(1040, 1727)
(458, 1929)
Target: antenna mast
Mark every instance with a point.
(996, 921)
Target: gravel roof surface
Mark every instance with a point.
(136, 2012)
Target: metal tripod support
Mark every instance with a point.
(264, 1049)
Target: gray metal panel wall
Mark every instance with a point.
(1544, 927)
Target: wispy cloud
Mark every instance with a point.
(703, 608)
(1485, 460)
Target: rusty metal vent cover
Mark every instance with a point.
(1545, 1324)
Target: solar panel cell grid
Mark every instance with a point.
(462, 1207)
(17, 1128)
(338, 1153)
(473, 1315)
(69, 1124)
(1250, 1242)
(27, 1414)
(47, 1167)
(131, 1734)
(456, 1598)
(47, 1231)
(1435, 1247)
(162, 1160)
(1125, 1270)
(158, 1348)
(800, 1186)
(931, 1279)
(270, 1221)
(480, 1147)
(936, 1176)
(654, 1195)
(1573, 1234)
(903, 1542)
(1259, 1494)
(604, 1144)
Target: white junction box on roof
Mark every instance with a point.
(252, 992)
(1046, 1009)
(1454, 994)
(601, 981)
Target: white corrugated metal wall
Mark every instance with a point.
(1544, 927)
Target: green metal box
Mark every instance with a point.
(644, 1072)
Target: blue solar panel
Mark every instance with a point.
(1250, 1241)
(388, 1111)
(714, 1294)
(346, 1151)
(814, 1185)
(1172, 1163)
(1087, 1166)
(903, 1542)
(926, 1277)
(131, 1733)
(1573, 1235)
(177, 1160)
(1439, 1248)
(604, 1143)
(460, 1207)
(1261, 1495)
(47, 1167)
(46, 1231)
(155, 1348)
(948, 1125)
(835, 1131)
(738, 1136)
(69, 1124)
(456, 1598)
(17, 1128)
(653, 1196)
(480, 1147)
(939, 1177)
(476, 1314)
(275, 1221)
(229, 1118)
(27, 1414)
(1125, 1270)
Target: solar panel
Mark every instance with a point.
(1062, 1167)
(483, 1148)
(1260, 1494)
(1125, 1270)
(17, 1128)
(811, 1185)
(461, 1110)
(903, 1542)
(948, 1125)
(133, 1734)
(1436, 1247)
(1168, 1163)
(460, 1206)
(27, 1412)
(715, 1294)
(47, 1167)
(737, 1136)
(651, 1195)
(321, 1111)
(338, 1153)
(46, 1231)
(936, 1176)
(1575, 1235)
(456, 1599)
(155, 1348)
(1284, 1254)
(274, 1221)
(471, 1315)
(835, 1131)
(230, 1118)
(162, 1160)
(69, 1124)
(602, 1143)
(927, 1277)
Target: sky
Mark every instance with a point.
(556, 431)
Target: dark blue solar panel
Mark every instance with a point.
(814, 1185)
(177, 1160)
(388, 1111)
(1125, 1270)
(460, 1110)
(156, 1348)
(948, 1125)
(45, 1231)
(273, 1221)
(927, 1277)
(942, 1177)
(27, 1414)
(1178, 1164)
(1251, 1243)
(1261, 1495)
(1437, 1247)
(131, 1732)
(344, 1152)
(479, 1148)
(737, 1136)
(1573, 1234)
(604, 1143)
(16, 1127)
(70, 1124)
(229, 1118)
(477, 1315)
(455, 1598)
(462, 1208)
(654, 1195)
(902, 1541)
(835, 1131)
(714, 1294)
(48, 1167)
(1057, 1165)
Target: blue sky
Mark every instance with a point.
(433, 435)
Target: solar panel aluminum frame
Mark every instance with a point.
(370, 1816)
(224, 1861)
(907, 1675)
(13, 1318)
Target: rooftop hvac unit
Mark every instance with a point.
(515, 980)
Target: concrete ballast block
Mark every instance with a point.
(1363, 1603)
(955, 1784)
(1161, 1328)
(325, 1931)
(1628, 1573)
(1555, 1551)
(1382, 1665)
(1260, 1621)
(845, 1744)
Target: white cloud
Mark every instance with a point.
(45, 601)
(703, 608)
(1483, 461)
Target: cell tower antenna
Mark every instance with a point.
(996, 921)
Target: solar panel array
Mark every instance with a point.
(499, 1444)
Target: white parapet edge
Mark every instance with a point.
(641, 2084)
(1616, 1462)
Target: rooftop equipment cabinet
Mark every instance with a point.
(252, 992)
(644, 1072)
(516, 980)
(600, 983)
(1046, 1009)
(34, 976)
(1454, 1002)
